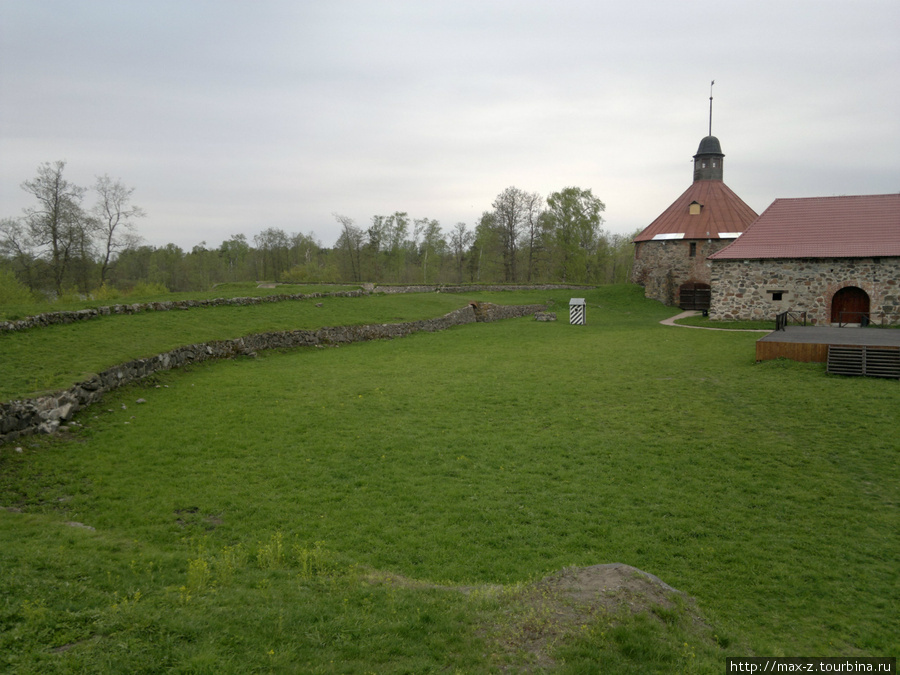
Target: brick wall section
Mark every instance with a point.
(742, 289)
(661, 267)
(46, 413)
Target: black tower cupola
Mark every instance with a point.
(708, 160)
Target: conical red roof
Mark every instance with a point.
(723, 215)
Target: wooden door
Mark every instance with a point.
(849, 305)
(694, 295)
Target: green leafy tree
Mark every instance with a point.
(432, 246)
(375, 241)
(12, 291)
(235, 253)
(16, 248)
(514, 212)
(461, 239)
(272, 244)
(397, 230)
(573, 220)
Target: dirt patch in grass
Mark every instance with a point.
(575, 600)
(525, 622)
(613, 586)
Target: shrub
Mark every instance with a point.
(145, 290)
(107, 292)
(12, 291)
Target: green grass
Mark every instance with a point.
(246, 515)
(227, 290)
(46, 359)
(706, 322)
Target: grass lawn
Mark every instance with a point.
(56, 357)
(389, 506)
(706, 322)
(226, 290)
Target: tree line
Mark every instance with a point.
(59, 245)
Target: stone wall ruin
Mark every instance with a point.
(46, 414)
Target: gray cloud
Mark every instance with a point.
(231, 116)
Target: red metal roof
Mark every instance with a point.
(721, 212)
(822, 227)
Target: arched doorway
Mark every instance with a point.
(849, 305)
(694, 295)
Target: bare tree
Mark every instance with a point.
(114, 215)
(57, 224)
(351, 239)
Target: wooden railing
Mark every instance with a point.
(782, 319)
(864, 319)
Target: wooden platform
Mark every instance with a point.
(810, 343)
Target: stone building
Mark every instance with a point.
(835, 258)
(670, 254)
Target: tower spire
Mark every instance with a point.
(710, 106)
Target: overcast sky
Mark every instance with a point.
(230, 117)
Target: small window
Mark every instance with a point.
(777, 296)
(693, 249)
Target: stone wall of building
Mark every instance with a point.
(661, 267)
(46, 414)
(743, 289)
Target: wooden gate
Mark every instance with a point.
(849, 305)
(694, 295)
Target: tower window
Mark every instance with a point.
(693, 252)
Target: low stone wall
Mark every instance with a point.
(464, 288)
(47, 413)
(55, 318)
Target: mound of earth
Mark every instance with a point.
(534, 617)
(610, 586)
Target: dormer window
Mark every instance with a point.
(694, 208)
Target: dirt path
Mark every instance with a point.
(692, 312)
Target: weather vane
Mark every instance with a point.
(710, 106)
